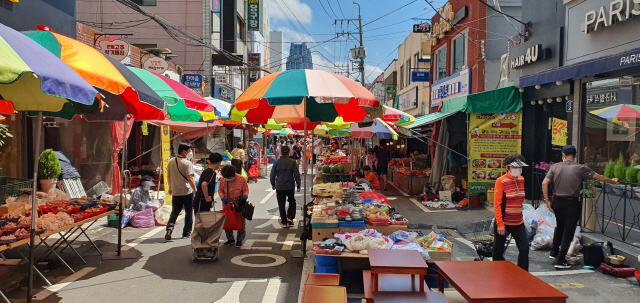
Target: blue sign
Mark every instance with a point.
(419, 76)
(224, 93)
(215, 6)
(454, 86)
(192, 81)
(569, 106)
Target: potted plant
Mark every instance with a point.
(48, 170)
(590, 205)
(619, 171)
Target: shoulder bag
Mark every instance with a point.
(234, 217)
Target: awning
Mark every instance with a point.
(502, 100)
(430, 118)
(586, 68)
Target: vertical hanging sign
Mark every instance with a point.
(253, 13)
(166, 156)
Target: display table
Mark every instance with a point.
(408, 297)
(322, 294)
(412, 185)
(496, 281)
(393, 261)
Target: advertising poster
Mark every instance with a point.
(166, 156)
(492, 137)
(559, 132)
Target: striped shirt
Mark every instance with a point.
(508, 198)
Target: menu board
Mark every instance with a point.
(559, 132)
(492, 137)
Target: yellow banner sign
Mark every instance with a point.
(166, 156)
(559, 132)
(492, 137)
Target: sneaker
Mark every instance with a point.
(284, 225)
(562, 265)
(238, 243)
(553, 256)
(168, 235)
(229, 242)
(290, 222)
(187, 235)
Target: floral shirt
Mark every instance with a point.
(237, 188)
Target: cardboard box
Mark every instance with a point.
(441, 255)
(348, 167)
(350, 230)
(387, 230)
(319, 234)
(5, 209)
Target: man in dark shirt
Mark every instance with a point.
(567, 178)
(284, 177)
(207, 185)
(382, 162)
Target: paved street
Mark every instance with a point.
(263, 270)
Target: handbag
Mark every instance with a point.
(247, 211)
(238, 205)
(234, 218)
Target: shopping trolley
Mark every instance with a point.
(483, 239)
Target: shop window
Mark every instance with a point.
(145, 2)
(612, 122)
(408, 72)
(442, 63)
(240, 32)
(459, 54)
(402, 77)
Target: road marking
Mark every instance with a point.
(419, 205)
(146, 236)
(60, 285)
(290, 241)
(266, 198)
(392, 198)
(241, 279)
(271, 238)
(277, 260)
(561, 272)
(233, 294)
(275, 222)
(271, 294)
(566, 285)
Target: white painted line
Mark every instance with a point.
(419, 205)
(271, 238)
(60, 285)
(277, 260)
(561, 272)
(288, 243)
(466, 242)
(271, 294)
(267, 197)
(233, 294)
(392, 198)
(241, 279)
(403, 193)
(148, 235)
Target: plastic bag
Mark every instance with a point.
(127, 214)
(244, 175)
(529, 217)
(401, 235)
(162, 215)
(154, 204)
(413, 246)
(143, 219)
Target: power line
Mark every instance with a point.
(340, 9)
(506, 15)
(389, 13)
(442, 18)
(331, 8)
(325, 10)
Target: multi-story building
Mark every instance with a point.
(412, 70)
(390, 82)
(276, 56)
(378, 88)
(299, 57)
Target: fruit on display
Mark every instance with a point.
(340, 169)
(333, 169)
(326, 169)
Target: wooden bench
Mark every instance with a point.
(324, 294)
(323, 279)
(390, 283)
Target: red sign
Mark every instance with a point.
(503, 125)
(115, 48)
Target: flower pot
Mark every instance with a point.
(47, 184)
(618, 189)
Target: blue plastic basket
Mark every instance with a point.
(352, 224)
(324, 225)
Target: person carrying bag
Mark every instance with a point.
(233, 191)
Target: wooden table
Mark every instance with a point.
(324, 294)
(395, 261)
(496, 281)
(323, 279)
(408, 297)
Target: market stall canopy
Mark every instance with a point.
(184, 127)
(380, 128)
(502, 100)
(34, 79)
(222, 108)
(396, 116)
(430, 118)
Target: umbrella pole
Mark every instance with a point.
(118, 254)
(34, 213)
(304, 205)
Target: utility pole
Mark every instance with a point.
(361, 45)
(357, 53)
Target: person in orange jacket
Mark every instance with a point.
(507, 206)
(371, 177)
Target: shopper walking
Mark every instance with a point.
(252, 154)
(507, 206)
(382, 161)
(233, 187)
(181, 181)
(207, 184)
(238, 157)
(567, 177)
(284, 178)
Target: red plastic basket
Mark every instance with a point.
(58, 203)
(325, 252)
(378, 223)
(404, 222)
(55, 211)
(9, 230)
(44, 209)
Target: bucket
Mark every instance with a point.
(326, 265)
(432, 279)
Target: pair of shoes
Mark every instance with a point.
(562, 265)
(168, 235)
(284, 225)
(187, 235)
(229, 242)
(238, 243)
(290, 222)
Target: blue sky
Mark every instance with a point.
(299, 18)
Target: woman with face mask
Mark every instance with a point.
(140, 196)
(507, 206)
(233, 187)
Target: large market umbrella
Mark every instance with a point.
(109, 76)
(33, 79)
(620, 113)
(396, 116)
(223, 108)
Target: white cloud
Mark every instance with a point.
(372, 71)
(302, 11)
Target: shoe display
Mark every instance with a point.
(229, 242)
(168, 235)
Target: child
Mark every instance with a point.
(362, 180)
(371, 177)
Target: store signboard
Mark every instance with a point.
(455, 86)
(221, 79)
(408, 100)
(391, 89)
(492, 137)
(559, 132)
(603, 97)
(224, 93)
(418, 76)
(422, 28)
(254, 73)
(192, 81)
(531, 55)
(253, 13)
(156, 65)
(237, 79)
(166, 157)
(114, 47)
(215, 6)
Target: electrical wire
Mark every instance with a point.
(340, 9)
(496, 3)
(389, 13)
(442, 18)
(506, 15)
(325, 10)
(331, 8)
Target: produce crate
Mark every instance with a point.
(324, 225)
(352, 224)
(346, 177)
(404, 222)
(113, 220)
(327, 178)
(9, 187)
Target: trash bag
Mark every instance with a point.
(143, 219)
(162, 215)
(529, 217)
(401, 235)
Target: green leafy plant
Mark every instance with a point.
(48, 165)
(4, 133)
(620, 169)
(631, 175)
(608, 170)
(589, 188)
